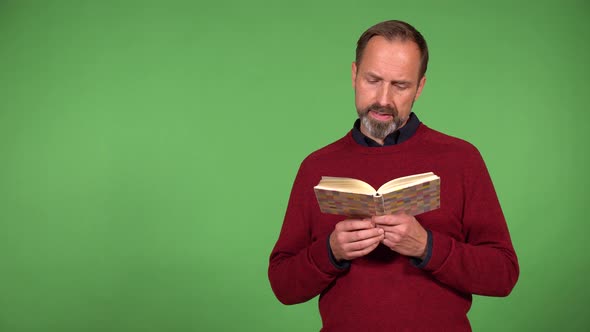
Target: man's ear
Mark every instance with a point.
(353, 75)
(420, 87)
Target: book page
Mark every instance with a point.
(345, 185)
(406, 181)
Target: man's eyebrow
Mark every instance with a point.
(375, 76)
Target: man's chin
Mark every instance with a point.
(382, 124)
(376, 128)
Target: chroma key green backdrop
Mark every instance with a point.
(148, 149)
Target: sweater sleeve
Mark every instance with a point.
(300, 266)
(485, 262)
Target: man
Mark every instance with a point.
(394, 272)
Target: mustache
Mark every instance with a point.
(381, 109)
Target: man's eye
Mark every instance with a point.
(401, 86)
(372, 81)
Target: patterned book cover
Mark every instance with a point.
(347, 204)
(413, 200)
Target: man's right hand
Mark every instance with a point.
(354, 238)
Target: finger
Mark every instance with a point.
(392, 237)
(389, 220)
(390, 242)
(343, 237)
(365, 234)
(393, 219)
(387, 228)
(391, 245)
(362, 252)
(354, 224)
(361, 245)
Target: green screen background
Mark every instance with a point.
(148, 150)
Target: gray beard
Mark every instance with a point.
(380, 129)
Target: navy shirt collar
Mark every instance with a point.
(397, 137)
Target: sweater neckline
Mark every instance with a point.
(409, 144)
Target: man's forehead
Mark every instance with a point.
(386, 57)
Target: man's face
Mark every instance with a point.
(386, 84)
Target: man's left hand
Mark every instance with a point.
(403, 234)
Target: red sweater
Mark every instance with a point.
(471, 251)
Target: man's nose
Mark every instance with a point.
(384, 95)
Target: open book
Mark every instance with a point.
(413, 194)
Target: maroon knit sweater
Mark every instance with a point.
(471, 250)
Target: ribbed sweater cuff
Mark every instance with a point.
(442, 248)
(339, 265)
(320, 254)
(422, 263)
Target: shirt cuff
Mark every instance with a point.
(344, 264)
(421, 263)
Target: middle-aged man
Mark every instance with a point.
(394, 272)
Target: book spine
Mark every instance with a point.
(379, 205)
